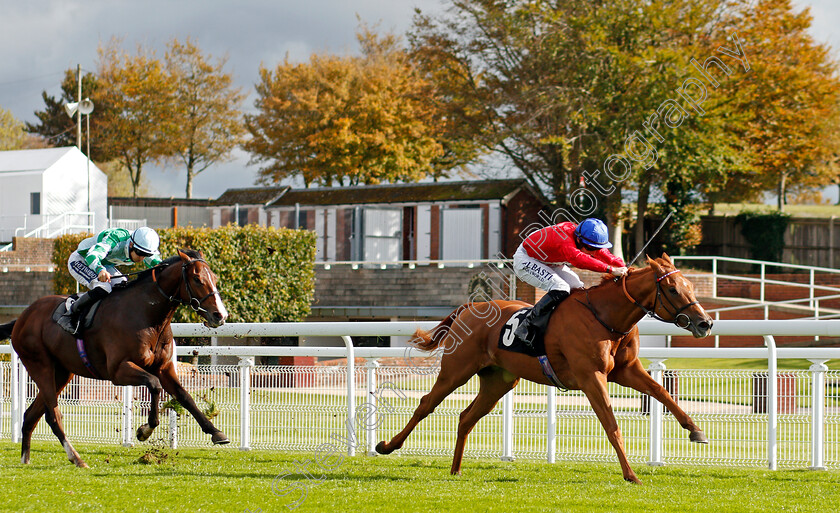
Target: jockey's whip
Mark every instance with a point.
(661, 225)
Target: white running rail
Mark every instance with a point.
(769, 418)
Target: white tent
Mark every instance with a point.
(52, 189)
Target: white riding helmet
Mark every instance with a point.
(145, 240)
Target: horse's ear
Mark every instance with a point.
(667, 258)
(654, 264)
(183, 256)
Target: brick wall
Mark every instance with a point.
(22, 288)
(28, 252)
(427, 285)
(752, 290)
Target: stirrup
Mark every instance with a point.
(69, 324)
(528, 336)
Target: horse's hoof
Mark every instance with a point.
(144, 432)
(698, 437)
(220, 438)
(81, 464)
(380, 448)
(633, 479)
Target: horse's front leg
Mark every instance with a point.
(129, 373)
(636, 377)
(595, 387)
(170, 382)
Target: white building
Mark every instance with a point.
(53, 189)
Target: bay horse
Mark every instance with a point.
(129, 343)
(592, 338)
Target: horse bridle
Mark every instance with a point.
(676, 313)
(193, 302)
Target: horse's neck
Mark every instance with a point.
(150, 293)
(613, 305)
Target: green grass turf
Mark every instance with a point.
(228, 480)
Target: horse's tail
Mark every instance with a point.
(431, 340)
(6, 330)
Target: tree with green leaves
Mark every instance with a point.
(559, 88)
(59, 129)
(207, 109)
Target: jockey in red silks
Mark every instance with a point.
(544, 259)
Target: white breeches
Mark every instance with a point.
(544, 276)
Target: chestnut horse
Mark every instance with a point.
(592, 338)
(129, 343)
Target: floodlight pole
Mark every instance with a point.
(78, 113)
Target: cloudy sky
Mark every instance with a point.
(42, 38)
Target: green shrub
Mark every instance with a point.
(265, 274)
(765, 233)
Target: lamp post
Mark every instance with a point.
(78, 108)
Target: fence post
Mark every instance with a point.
(714, 277)
(551, 424)
(772, 401)
(763, 269)
(817, 369)
(507, 426)
(245, 364)
(128, 416)
(656, 369)
(372, 420)
(16, 402)
(173, 415)
(351, 395)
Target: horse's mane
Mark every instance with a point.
(147, 273)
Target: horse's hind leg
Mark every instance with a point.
(35, 411)
(46, 376)
(492, 387)
(451, 377)
(634, 376)
(30, 419)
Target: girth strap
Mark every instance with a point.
(548, 372)
(80, 345)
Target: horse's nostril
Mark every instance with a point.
(704, 325)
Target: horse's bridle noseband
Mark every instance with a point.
(193, 301)
(675, 312)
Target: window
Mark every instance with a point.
(35, 203)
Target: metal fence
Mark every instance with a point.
(767, 418)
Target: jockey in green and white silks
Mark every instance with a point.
(94, 262)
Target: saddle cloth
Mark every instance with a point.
(87, 316)
(509, 342)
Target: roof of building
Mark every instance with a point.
(474, 190)
(251, 195)
(32, 160)
(158, 202)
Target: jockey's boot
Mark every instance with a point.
(536, 321)
(70, 320)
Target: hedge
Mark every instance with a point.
(765, 233)
(265, 274)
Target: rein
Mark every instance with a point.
(660, 298)
(591, 308)
(193, 301)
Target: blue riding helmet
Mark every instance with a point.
(594, 233)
